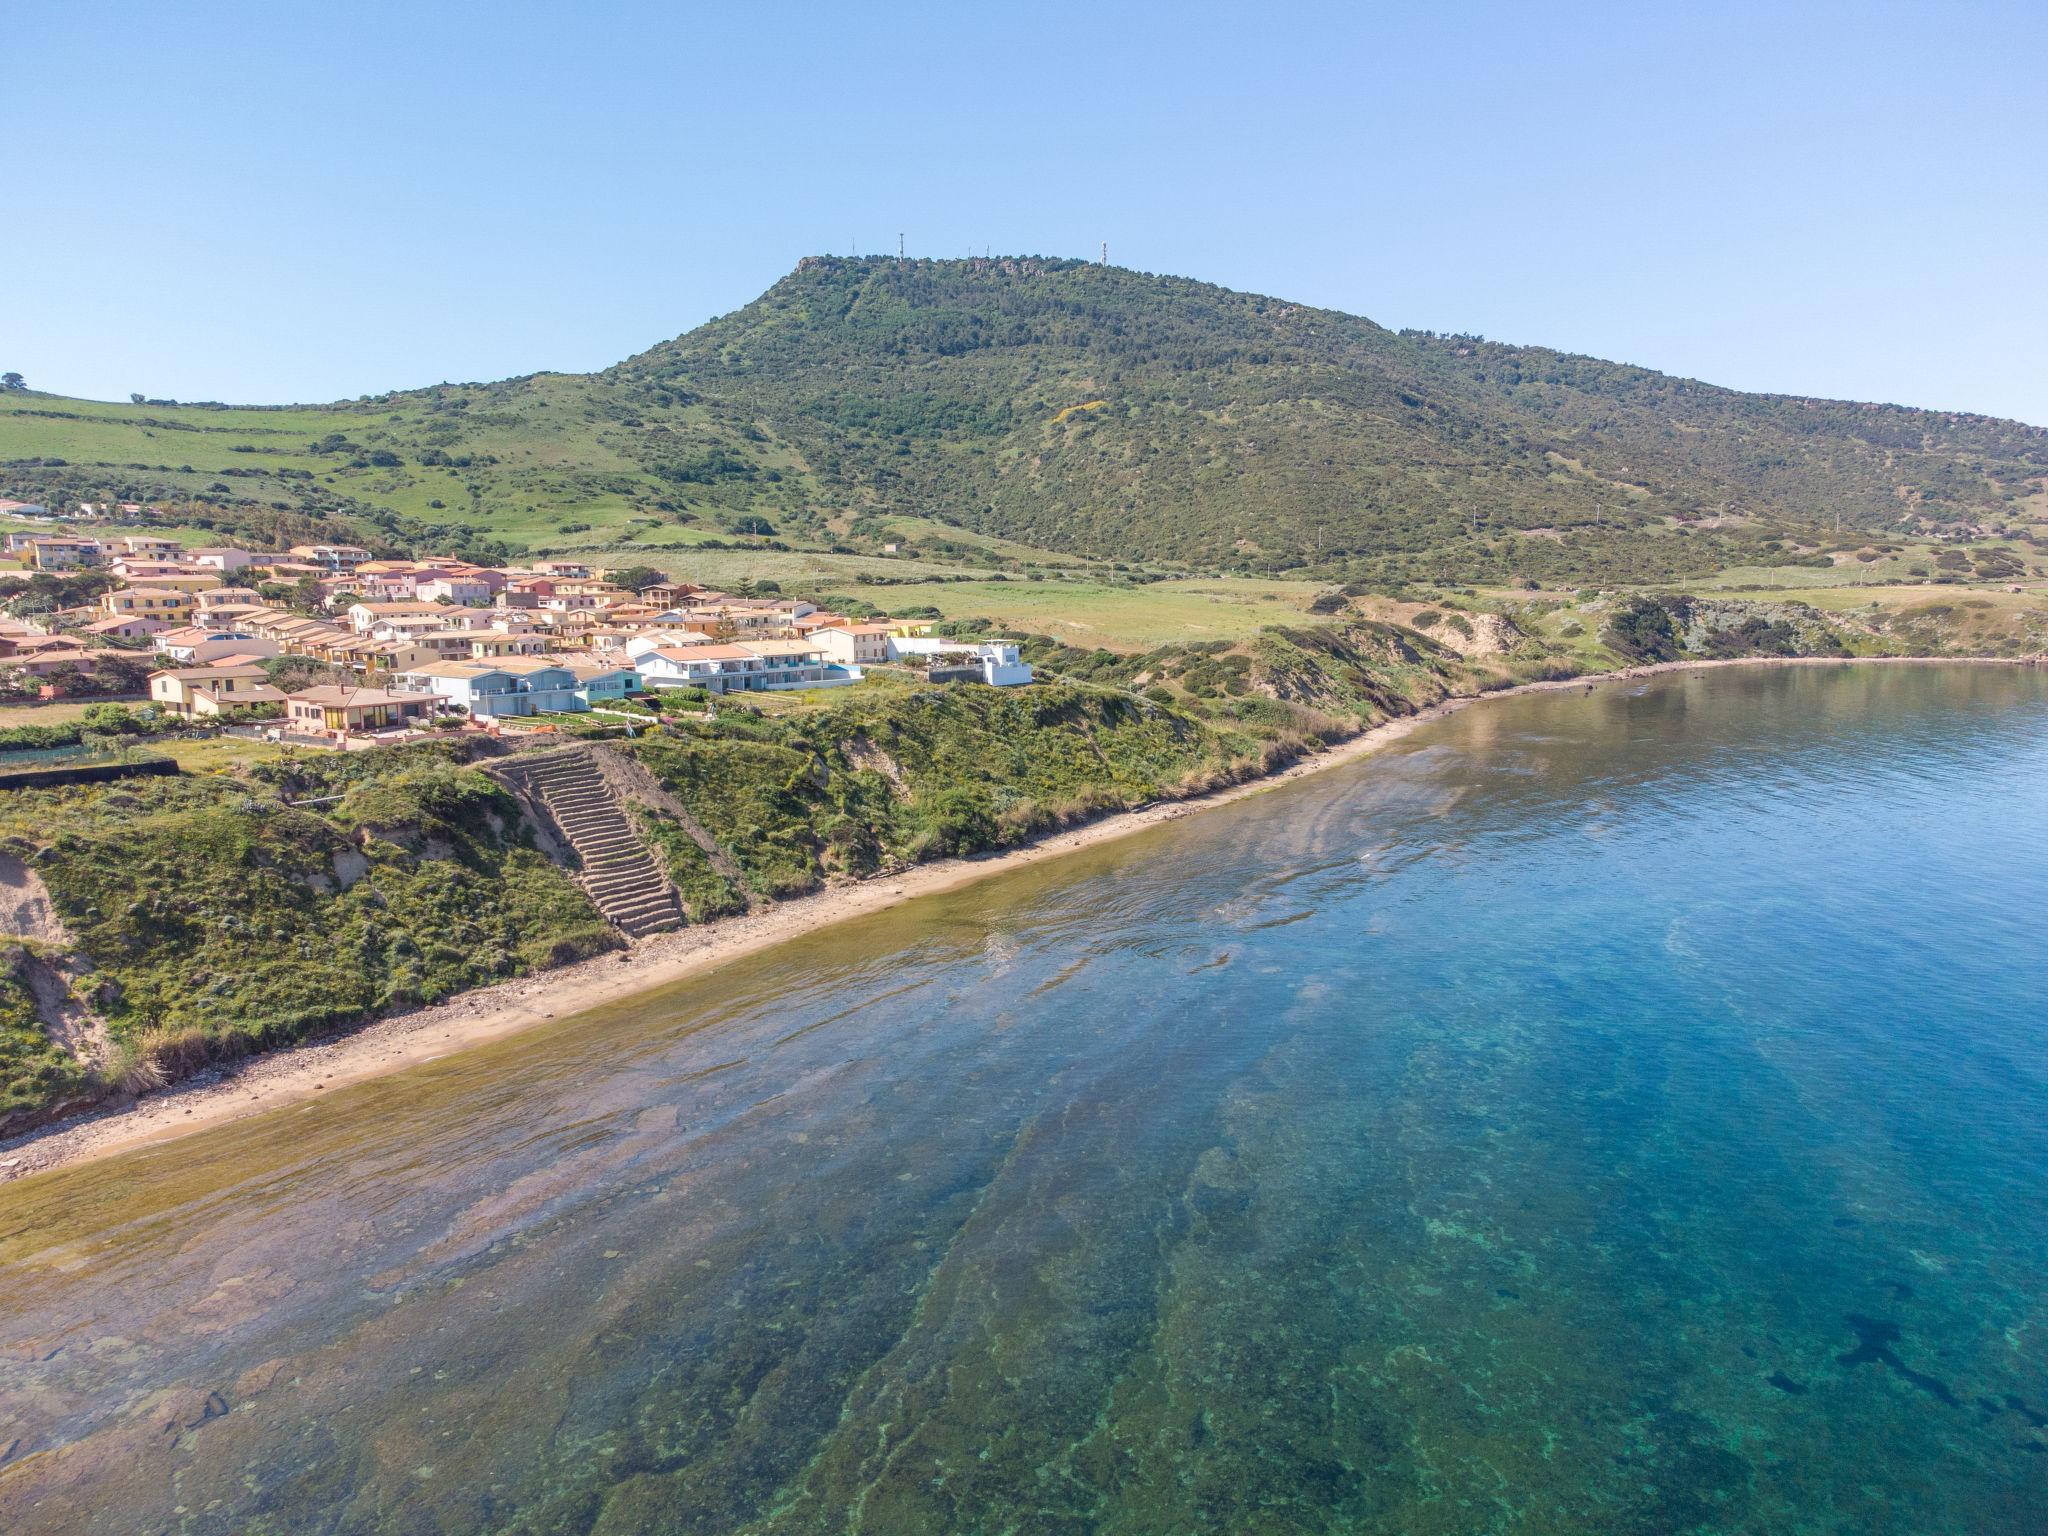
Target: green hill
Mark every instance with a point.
(1079, 408)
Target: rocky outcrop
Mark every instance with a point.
(47, 963)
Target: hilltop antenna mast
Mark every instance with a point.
(899, 247)
(1105, 253)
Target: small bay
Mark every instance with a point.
(1611, 1110)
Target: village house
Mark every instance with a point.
(818, 619)
(50, 661)
(739, 616)
(332, 710)
(715, 668)
(561, 601)
(855, 644)
(485, 644)
(127, 627)
(440, 644)
(798, 664)
(448, 588)
(200, 644)
(746, 666)
(146, 602)
(395, 619)
(330, 557)
(666, 594)
(664, 639)
(361, 654)
(201, 691)
(603, 679)
(158, 573)
(60, 554)
(364, 586)
(509, 686)
(14, 645)
(298, 635)
(213, 598)
(150, 545)
(226, 561)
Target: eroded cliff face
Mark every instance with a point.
(59, 1051)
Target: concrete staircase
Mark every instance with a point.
(623, 878)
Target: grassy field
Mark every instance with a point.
(795, 570)
(541, 455)
(1090, 613)
(57, 712)
(223, 754)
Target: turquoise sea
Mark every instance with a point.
(1621, 1110)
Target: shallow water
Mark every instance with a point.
(1618, 1111)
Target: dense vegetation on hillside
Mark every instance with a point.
(1071, 407)
(212, 914)
(906, 775)
(216, 917)
(1078, 406)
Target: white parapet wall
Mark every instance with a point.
(1000, 663)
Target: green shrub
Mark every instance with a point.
(35, 1072)
(219, 920)
(1644, 629)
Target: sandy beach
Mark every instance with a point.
(288, 1076)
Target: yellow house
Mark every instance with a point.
(150, 544)
(152, 573)
(190, 691)
(147, 603)
(855, 644)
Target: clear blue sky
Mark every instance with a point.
(271, 202)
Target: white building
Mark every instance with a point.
(996, 662)
(454, 589)
(507, 686)
(856, 644)
(755, 666)
(331, 557)
(398, 620)
(223, 560)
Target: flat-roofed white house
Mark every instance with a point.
(223, 560)
(995, 662)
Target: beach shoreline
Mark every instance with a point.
(294, 1074)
